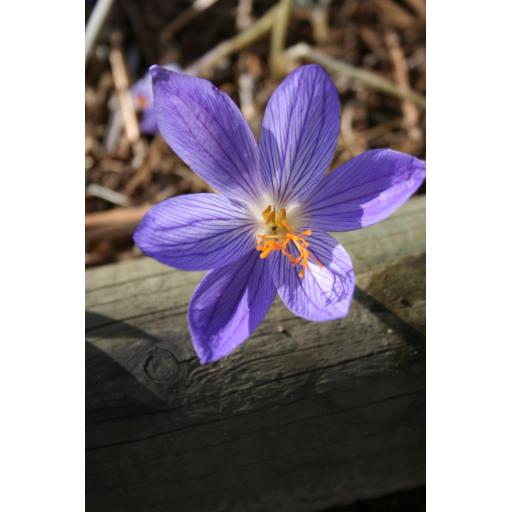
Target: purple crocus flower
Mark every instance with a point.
(142, 96)
(265, 232)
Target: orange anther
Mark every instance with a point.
(281, 236)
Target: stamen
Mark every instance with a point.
(280, 238)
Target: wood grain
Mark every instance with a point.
(304, 416)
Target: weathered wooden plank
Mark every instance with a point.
(303, 416)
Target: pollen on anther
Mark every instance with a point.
(282, 235)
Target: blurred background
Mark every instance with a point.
(373, 49)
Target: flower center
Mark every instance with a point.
(281, 237)
(141, 101)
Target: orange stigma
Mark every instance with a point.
(279, 238)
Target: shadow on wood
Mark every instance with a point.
(304, 416)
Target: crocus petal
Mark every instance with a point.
(325, 292)
(142, 88)
(207, 131)
(142, 95)
(364, 190)
(148, 122)
(228, 305)
(299, 133)
(195, 232)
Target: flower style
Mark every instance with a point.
(265, 232)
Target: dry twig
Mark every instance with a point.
(243, 14)
(143, 175)
(419, 7)
(113, 224)
(409, 109)
(395, 15)
(278, 40)
(184, 18)
(319, 16)
(368, 78)
(107, 194)
(114, 129)
(95, 23)
(122, 84)
(205, 65)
